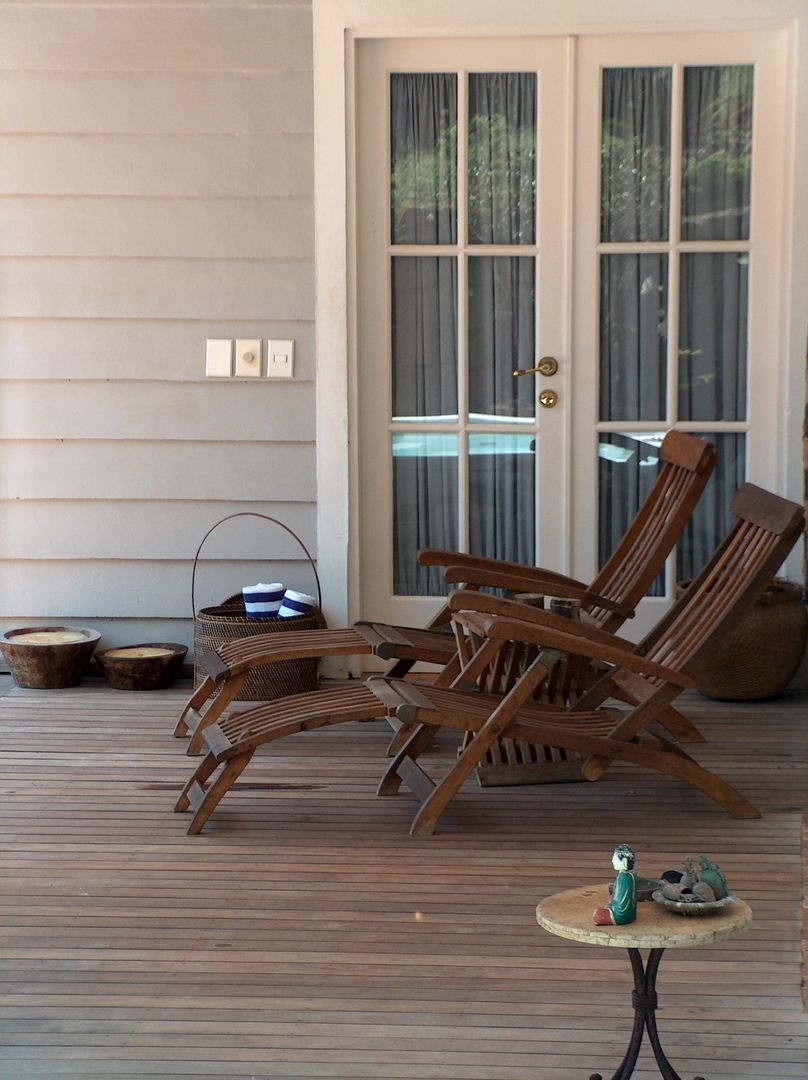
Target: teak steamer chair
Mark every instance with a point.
(648, 676)
(688, 463)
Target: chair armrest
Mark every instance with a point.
(533, 578)
(542, 582)
(470, 600)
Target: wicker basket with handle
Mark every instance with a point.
(225, 622)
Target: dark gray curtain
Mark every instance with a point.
(423, 158)
(712, 336)
(502, 158)
(502, 483)
(633, 337)
(424, 509)
(635, 154)
(717, 152)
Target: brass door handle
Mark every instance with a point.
(548, 399)
(548, 365)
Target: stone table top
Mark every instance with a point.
(569, 915)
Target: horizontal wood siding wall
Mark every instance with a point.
(156, 177)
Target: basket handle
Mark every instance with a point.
(264, 517)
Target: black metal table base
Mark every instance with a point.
(644, 1000)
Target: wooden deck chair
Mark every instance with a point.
(649, 675)
(610, 599)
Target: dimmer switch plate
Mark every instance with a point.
(248, 357)
(280, 359)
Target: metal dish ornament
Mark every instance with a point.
(694, 891)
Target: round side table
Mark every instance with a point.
(569, 915)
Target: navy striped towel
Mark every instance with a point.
(296, 603)
(262, 601)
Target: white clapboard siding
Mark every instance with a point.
(153, 589)
(150, 349)
(157, 288)
(168, 471)
(168, 165)
(239, 410)
(150, 227)
(112, 529)
(156, 176)
(155, 37)
(167, 102)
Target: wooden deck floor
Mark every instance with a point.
(305, 934)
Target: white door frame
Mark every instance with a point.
(337, 24)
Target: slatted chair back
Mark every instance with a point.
(766, 529)
(688, 463)
(625, 578)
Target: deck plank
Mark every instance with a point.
(305, 934)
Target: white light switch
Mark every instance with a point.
(248, 357)
(280, 359)
(219, 357)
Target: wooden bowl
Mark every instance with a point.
(153, 665)
(48, 657)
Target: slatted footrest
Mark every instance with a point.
(510, 763)
(245, 653)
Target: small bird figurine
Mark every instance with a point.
(711, 875)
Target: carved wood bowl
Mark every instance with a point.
(48, 657)
(153, 665)
(693, 907)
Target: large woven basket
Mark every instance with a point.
(759, 655)
(226, 622)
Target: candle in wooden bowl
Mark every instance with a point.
(48, 657)
(150, 666)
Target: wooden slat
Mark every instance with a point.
(304, 934)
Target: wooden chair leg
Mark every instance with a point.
(428, 815)
(402, 732)
(420, 738)
(193, 705)
(682, 767)
(228, 692)
(679, 726)
(204, 769)
(211, 797)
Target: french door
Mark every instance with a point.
(602, 209)
(463, 280)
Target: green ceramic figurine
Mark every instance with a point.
(622, 908)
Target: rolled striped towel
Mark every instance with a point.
(263, 601)
(296, 603)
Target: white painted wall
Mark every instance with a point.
(156, 189)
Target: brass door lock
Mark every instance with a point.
(548, 399)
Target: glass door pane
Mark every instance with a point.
(501, 338)
(502, 158)
(675, 250)
(423, 158)
(463, 317)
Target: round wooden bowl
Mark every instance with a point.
(48, 657)
(153, 665)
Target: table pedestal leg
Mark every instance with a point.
(644, 1000)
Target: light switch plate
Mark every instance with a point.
(280, 359)
(248, 357)
(219, 357)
